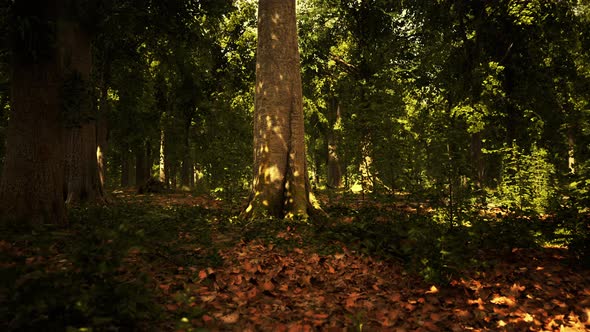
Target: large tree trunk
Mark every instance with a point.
(281, 186)
(102, 124)
(31, 188)
(83, 183)
(83, 180)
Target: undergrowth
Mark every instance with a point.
(102, 271)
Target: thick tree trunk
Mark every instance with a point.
(83, 179)
(281, 186)
(83, 183)
(102, 125)
(31, 187)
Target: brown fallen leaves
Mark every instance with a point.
(264, 288)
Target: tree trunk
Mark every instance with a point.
(125, 168)
(186, 157)
(102, 125)
(477, 160)
(334, 168)
(83, 179)
(366, 166)
(140, 172)
(83, 183)
(31, 187)
(162, 173)
(280, 187)
(571, 143)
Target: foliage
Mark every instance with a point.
(89, 275)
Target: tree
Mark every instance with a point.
(33, 171)
(280, 187)
(83, 183)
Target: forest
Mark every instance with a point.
(283, 165)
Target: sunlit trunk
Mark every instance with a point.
(280, 187)
(365, 167)
(571, 142)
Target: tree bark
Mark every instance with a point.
(186, 156)
(334, 169)
(477, 160)
(83, 178)
(83, 183)
(31, 187)
(102, 124)
(571, 143)
(162, 168)
(140, 162)
(281, 186)
(125, 168)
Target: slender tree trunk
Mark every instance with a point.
(140, 162)
(334, 168)
(31, 187)
(186, 159)
(149, 161)
(280, 187)
(162, 173)
(571, 143)
(477, 160)
(125, 168)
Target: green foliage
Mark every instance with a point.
(432, 249)
(527, 182)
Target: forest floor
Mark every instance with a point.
(175, 262)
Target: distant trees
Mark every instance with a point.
(451, 101)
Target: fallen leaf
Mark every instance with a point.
(503, 300)
(230, 318)
(433, 290)
(268, 286)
